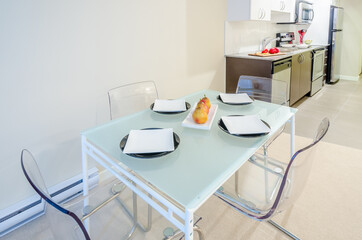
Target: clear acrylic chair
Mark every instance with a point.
(266, 190)
(266, 90)
(76, 211)
(128, 99)
(131, 98)
(66, 219)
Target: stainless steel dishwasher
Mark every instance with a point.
(281, 71)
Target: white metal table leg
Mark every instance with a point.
(189, 225)
(292, 135)
(85, 178)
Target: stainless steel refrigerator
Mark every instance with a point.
(335, 45)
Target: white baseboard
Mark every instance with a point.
(32, 207)
(350, 78)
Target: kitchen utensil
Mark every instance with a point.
(259, 54)
(302, 32)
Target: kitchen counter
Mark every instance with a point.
(289, 53)
(301, 59)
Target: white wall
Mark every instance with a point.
(247, 36)
(59, 58)
(318, 31)
(351, 39)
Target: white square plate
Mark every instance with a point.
(162, 105)
(250, 124)
(235, 98)
(150, 141)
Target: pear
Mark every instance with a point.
(199, 115)
(202, 104)
(206, 101)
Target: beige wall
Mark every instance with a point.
(352, 39)
(59, 58)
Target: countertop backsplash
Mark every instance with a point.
(246, 36)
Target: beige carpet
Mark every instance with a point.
(329, 208)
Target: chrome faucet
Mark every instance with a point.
(268, 40)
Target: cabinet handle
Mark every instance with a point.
(260, 13)
(263, 13)
(301, 59)
(284, 5)
(281, 5)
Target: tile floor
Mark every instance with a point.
(341, 103)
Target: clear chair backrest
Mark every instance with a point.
(33, 174)
(297, 172)
(35, 178)
(131, 98)
(264, 89)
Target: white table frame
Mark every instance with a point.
(169, 209)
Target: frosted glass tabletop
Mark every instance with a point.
(204, 160)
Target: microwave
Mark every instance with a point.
(305, 13)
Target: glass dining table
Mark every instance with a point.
(177, 184)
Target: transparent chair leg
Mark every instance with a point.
(240, 201)
(118, 187)
(266, 178)
(116, 190)
(134, 215)
(89, 211)
(289, 234)
(170, 234)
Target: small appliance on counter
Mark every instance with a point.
(304, 13)
(285, 39)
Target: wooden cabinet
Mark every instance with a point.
(235, 67)
(238, 10)
(301, 79)
(294, 81)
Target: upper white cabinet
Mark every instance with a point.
(238, 10)
(282, 6)
(283, 11)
